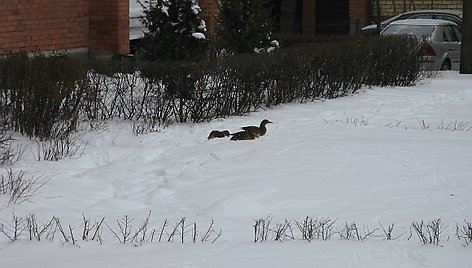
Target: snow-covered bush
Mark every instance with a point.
(175, 30)
(244, 26)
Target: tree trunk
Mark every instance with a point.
(466, 47)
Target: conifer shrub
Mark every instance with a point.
(244, 25)
(175, 30)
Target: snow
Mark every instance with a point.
(196, 8)
(385, 155)
(198, 35)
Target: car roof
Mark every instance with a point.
(432, 22)
(426, 11)
(444, 11)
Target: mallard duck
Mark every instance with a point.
(259, 130)
(218, 134)
(243, 135)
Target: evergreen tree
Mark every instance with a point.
(244, 25)
(175, 30)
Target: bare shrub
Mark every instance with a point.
(61, 144)
(92, 231)
(430, 232)
(349, 121)
(464, 232)
(14, 230)
(352, 232)
(145, 127)
(211, 234)
(283, 231)
(261, 229)
(9, 153)
(38, 231)
(455, 126)
(357, 121)
(449, 126)
(126, 233)
(423, 124)
(67, 235)
(388, 232)
(311, 229)
(33, 100)
(19, 187)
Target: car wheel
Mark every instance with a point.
(446, 66)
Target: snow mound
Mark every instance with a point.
(236, 206)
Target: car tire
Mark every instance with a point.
(446, 66)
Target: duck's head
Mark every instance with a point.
(265, 122)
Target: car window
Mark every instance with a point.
(449, 18)
(416, 30)
(449, 35)
(421, 16)
(458, 32)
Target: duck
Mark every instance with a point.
(218, 134)
(244, 135)
(259, 130)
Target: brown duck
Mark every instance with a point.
(259, 130)
(243, 135)
(218, 134)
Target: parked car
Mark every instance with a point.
(450, 15)
(442, 40)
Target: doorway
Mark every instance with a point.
(332, 17)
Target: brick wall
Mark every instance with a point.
(51, 25)
(109, 26)
(359, 8)
(209, 14)
(395, 7)
(32, 25)
(309, 17)
(359, 12)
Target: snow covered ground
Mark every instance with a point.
(385, 155)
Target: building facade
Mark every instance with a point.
(64, 25)
(346, 16)
(103, 26)
(391, 8)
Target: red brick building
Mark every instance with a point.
(56, 25)
(308, 16)
(333, 16)
(103, 25)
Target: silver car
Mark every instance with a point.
(442, 40)
(439, 14)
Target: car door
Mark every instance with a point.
(452, 44)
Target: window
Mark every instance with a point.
(449, 18)
(458, 32)
(422, 16)
(449, 35)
